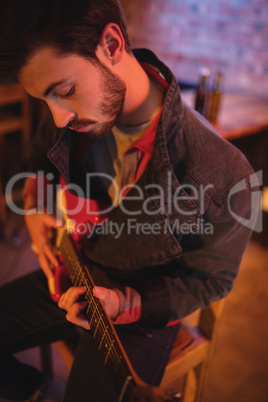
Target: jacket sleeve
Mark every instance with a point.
(209, 263)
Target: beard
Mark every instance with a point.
(111, 105)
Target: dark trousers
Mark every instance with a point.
(30, 318)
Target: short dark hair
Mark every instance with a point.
(70, 26)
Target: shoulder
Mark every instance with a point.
(199, 155)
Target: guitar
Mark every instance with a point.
(72, 270)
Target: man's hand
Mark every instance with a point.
(69, 302)
(39, 226)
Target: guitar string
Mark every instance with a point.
(112, 351)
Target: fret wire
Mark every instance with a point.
(76, 271)
(112, 348)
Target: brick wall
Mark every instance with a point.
(226, 35)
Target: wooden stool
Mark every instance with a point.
(190, 351)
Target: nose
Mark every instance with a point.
(61, 115)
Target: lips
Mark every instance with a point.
(81, 129)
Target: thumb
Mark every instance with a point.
(101, 293)
(109, 299)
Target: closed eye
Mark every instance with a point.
(68, 94)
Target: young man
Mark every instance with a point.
(178, 195)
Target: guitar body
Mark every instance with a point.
(59, 283)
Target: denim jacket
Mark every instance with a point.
(185, 228)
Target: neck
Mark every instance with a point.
(143, 97)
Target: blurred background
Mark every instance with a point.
(230, 36)
(222, 36)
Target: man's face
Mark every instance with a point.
(84, 96)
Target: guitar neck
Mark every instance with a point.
(103, 331)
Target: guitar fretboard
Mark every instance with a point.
(102, 329)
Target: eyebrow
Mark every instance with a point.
(52, 86)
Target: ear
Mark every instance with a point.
(111, 44)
